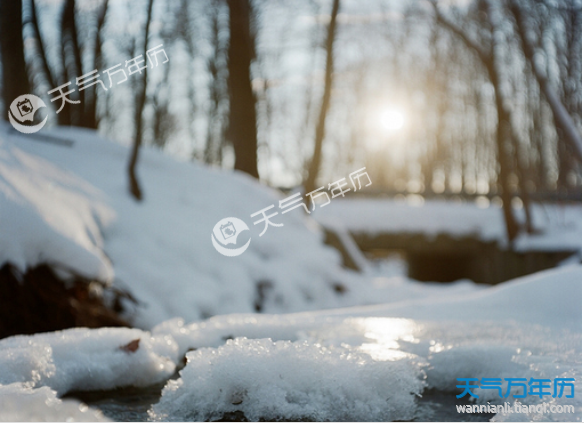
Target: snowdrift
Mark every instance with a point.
(66, 204)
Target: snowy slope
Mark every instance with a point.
(69, 206)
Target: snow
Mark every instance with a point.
(291, 380)
(84, 359)
(560, 225)
(349, 246)
(19, 402)
(550, 298)
(69, 206)
(357, 363)
(316, 353)
(50, 215)
(530, 327)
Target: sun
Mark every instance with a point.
(391, 119)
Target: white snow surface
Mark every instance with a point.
(87, 359)
(265, 372)
(48, 214)
(20, 402)
(559, 226)
(363, 363)
(70, 207)
(292, 380)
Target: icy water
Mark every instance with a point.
(132, 405)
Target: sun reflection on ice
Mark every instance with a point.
(386, 333)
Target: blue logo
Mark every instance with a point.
(536, 387)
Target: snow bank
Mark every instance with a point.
(560, 226)
(291, 380)
(19, 402)
(49, 215)
(86, 359)
(69, 206)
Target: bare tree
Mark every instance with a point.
(14, 76)
(216, 66)
(313, 169)
(48, 74)
(135, 189)
(71, 62)
(90, 119)
(242, 100)
(562, 118)
(504, 130)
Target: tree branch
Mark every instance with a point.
(562, 118)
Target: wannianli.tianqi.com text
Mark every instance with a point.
(516, 407)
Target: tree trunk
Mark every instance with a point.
(135, 189)
(503, 135)
(71, 62)
(91, 119)
(313, 169)
(14, 77)
(41, 46)
(242, 101)
(504, 130)
(216, 67)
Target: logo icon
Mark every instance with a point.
(22, 109)
(226, 232)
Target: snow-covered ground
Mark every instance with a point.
(360, 363)
(69, 206)
(337, 345)
(20, 402)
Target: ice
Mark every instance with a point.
(291, 380)
(19, 402)
(86, 359)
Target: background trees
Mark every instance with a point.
(489, 92)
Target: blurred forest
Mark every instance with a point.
(464, 98)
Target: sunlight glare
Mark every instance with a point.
(392, 119)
